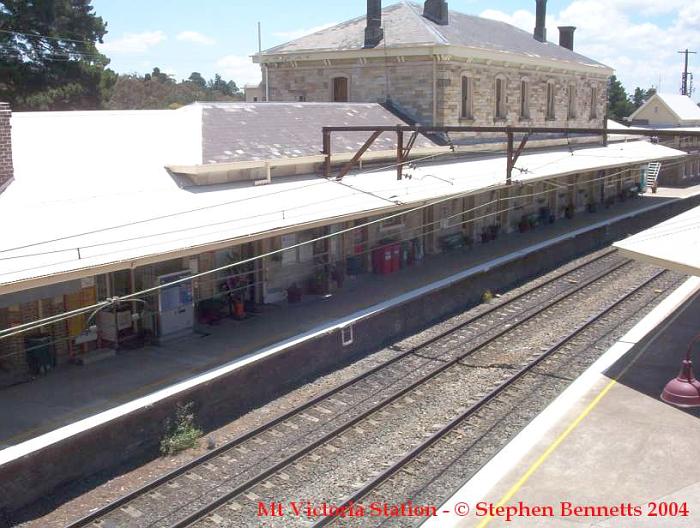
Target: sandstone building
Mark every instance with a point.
(442, 67)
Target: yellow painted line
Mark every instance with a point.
(553, 447)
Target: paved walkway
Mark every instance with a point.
(72, 393)
(618, 445)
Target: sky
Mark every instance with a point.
(638, 38)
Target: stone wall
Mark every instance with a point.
(6, 170)
(409, 83)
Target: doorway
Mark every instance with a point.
(340, 90)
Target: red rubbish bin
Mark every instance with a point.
(387, 262)
(395, 257)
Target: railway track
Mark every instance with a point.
(466, 443)
(276, 453)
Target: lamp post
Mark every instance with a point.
(684, 390)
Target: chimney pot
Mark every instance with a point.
(566, 37)
(6, 169)
(541, 26)
(437, 11)
(374, 32)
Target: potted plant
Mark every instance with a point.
(318, 284)
(569, 211)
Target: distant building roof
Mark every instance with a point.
(681, 105)
(405, 26)
(267, 131)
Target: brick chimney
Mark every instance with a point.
(566, 37)
(6, 170)
(541, 26)
(437, 11)
(374, 32)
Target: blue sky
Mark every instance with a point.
(639, 38)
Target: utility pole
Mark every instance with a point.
(684, 86)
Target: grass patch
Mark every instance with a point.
(181, 433)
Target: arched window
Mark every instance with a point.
(501, 110)
(466, 111)
(551, 105)
(572, 101)
(341, 92)
(594, 102)
(524, 99)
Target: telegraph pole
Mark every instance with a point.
(684, 86)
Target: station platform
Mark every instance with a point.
(68, 396)
(608, 442)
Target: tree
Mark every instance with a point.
(197, 79)
(619, 105)
(157, 90)
(49, 55)
(641, 96)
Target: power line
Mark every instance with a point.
(21, 329)
(37, 35)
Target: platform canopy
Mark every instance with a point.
(674, 244)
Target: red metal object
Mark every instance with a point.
(395, 257)
(684, 389)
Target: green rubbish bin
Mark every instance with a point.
(41, 356)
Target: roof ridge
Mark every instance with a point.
(424, 21)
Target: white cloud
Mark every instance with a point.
(195, 38)
(134, 42)
(239, 68)
(627, 35)
(298, 33)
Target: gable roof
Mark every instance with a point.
(405, 26)
(681, 105)
(268, 131)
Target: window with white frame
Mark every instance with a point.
(500, 98)
(572, 102)
(549, 112)
(524, 99)
(594, 102)
(467, 98)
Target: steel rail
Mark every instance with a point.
(214, 505)
(389, 472)
(160, 481)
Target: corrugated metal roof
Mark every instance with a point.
(93, 192)
(404, 25)
(268, 131)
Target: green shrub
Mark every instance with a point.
(181, 433)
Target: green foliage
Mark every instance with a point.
(158, 90)
(181, 433)
(49, 55)
(619, 104)
(641, 96)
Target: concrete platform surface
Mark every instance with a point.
(615, 444)
(72, 393)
